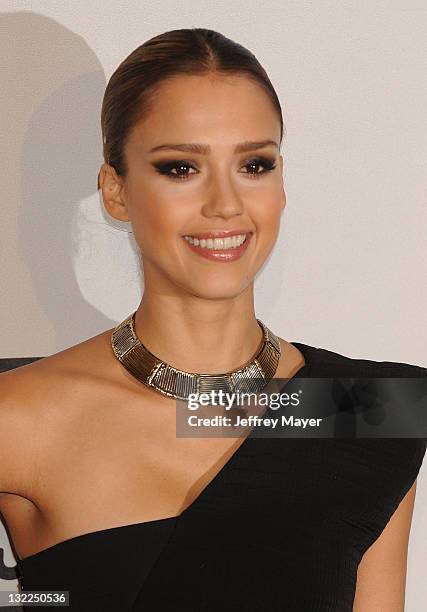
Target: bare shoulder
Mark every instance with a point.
(37, 398)
(291, 359)
(34, 380)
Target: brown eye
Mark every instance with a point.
(266, 163)
(180, 166)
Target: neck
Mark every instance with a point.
(198, 335)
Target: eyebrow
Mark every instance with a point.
(195, 147)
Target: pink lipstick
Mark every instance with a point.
(223, 246)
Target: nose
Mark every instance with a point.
(223, 199)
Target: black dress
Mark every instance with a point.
(281, 527)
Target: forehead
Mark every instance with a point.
(208, 107)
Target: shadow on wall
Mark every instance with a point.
(55, 84)
(52, 85)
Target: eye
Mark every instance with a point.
(267, 163)
(180, 166)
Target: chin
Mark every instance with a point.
(219, 289)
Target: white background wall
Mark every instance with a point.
(348, 272)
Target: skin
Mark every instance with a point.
(190, 304)
(128, 466)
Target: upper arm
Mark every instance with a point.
(16, 417)
(381, 576)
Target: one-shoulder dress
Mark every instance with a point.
(281, 527)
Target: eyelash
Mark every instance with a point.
(165, 168)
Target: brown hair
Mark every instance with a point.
(188, 51)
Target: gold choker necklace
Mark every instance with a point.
(162, 377)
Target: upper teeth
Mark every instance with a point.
(218, 243)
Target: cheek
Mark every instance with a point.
(266, 213)
(154, 218)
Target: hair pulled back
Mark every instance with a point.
(186, 51)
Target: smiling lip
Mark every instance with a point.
(221, 255)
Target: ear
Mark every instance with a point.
(112, 188)
(283, 188)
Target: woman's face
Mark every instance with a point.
(178, 191)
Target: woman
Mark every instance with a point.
(102, 498)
